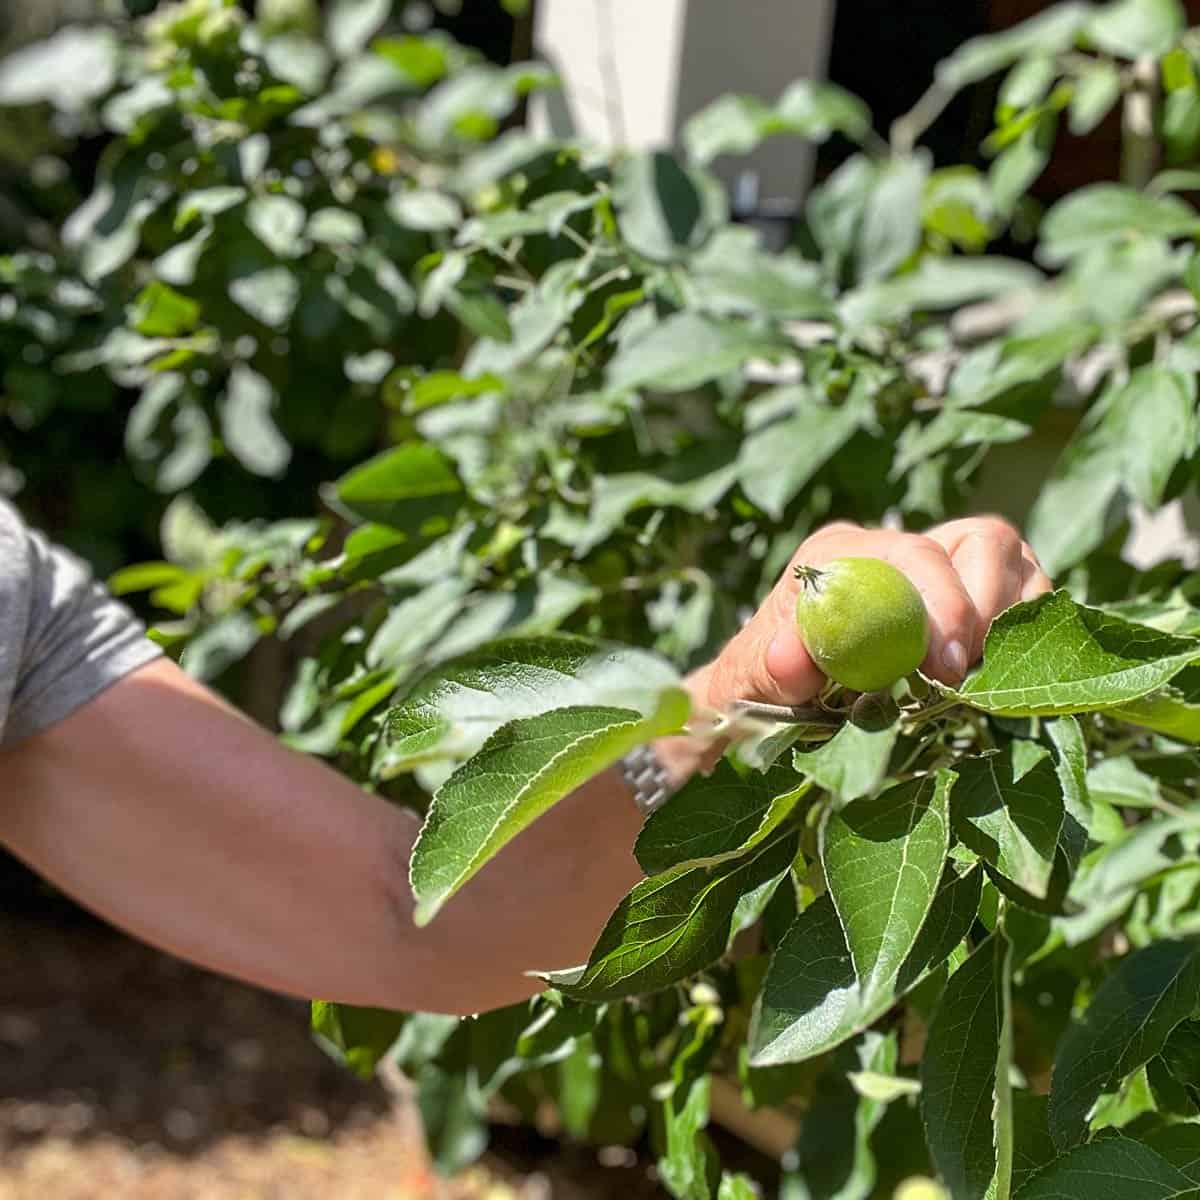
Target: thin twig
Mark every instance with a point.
(907, 130)
(1139, 145)
(798, 714)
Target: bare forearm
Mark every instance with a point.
(163, 811)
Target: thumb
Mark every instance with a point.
(767, 663)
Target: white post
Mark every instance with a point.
(634, 71)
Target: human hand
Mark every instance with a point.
(967, 571)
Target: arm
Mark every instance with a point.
(169, 814)
(165, 811)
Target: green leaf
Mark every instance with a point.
(808, 109)
(676, 923)
(270, 296)
(959, 1077)
(1078, 504)
(1169, 711)
(532, 323)
(1146, 426)
(335, 227)
(687, 350)
(144, 577)
(851, 764)
(957, 206)
(883, 858)
(453, 1116)
(1132, 28)
(779, 457)
(1000, 367)
(160, 311)
(1126, 1024)
(357, 1037)
(953, 429)
(545, 215)
(278, 222)
(1070, 762)
(834, 1156)
(1033, 1148)
(1007, 806)
(715, 817)
(215, 649)
(1027, 84)
(483, 314)
(208, 202)
(1047, 33)
(408, 488)
(816, 109)
(1118, 781)
(425, 210)
(891, 228)
(247, 427)
(937, 283)
(454, 709)
(1116, 1165)
(810, 1000)
(70, 70)
(734, 274)
(1096, 91)
(1109, 877)
(1106, 212)
(441, 387)
(1179, 1145)
(737, 1187)
(1155, 411)
(694, 484)
(352, 23)
(689, 1165)
(834, 210)
(534, 606)
(178, 265)
(470, 103)
(406, 633)
(521, 771)
(1051, 655)
(665, 210)
(422, 60)
(684, 1168)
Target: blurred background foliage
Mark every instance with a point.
(297, 303)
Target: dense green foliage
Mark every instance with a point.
(578, 422)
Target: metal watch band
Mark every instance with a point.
(647, 779)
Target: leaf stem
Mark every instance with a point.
(906, 131)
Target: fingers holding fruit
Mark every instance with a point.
(953, 619)
(997, 568)
(859, 605)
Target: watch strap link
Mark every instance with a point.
(647, 779)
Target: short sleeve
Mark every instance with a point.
(77, 640)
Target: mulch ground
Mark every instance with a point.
(128, 1075)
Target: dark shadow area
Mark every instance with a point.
(100, 1035)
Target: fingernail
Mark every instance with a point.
(955, 659)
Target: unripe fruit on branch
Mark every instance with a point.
(863, 622)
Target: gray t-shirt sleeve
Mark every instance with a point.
(63, 638)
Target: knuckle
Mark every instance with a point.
(920, 543)
(991, 528)
(832, 530)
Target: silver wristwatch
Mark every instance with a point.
(647, 779)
